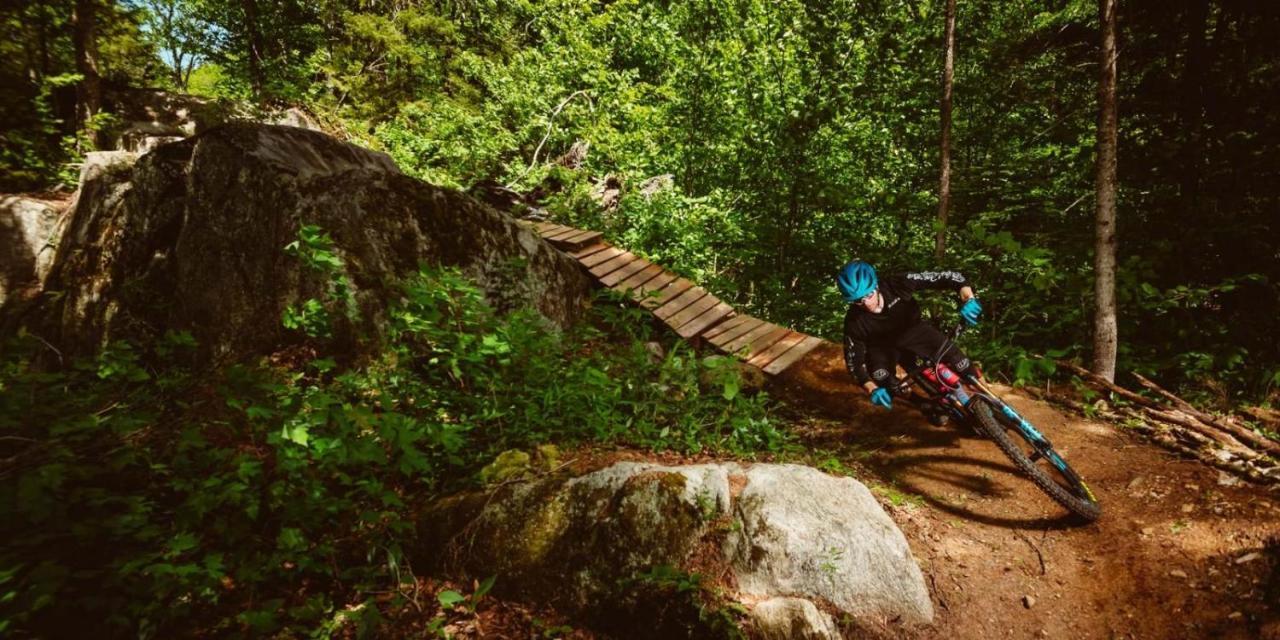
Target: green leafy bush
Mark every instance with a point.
(153, 497)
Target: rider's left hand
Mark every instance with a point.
(970, 311)
(881, 397)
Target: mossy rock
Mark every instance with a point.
(547, 457)
(508, 465)
(593, 545)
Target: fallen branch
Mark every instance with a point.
(1176, 431)
(1236, 467)
(550, 122)
(1242, 433)
(1191, 423)
(1236, 435)
(1108, 385)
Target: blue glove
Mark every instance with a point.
(881, 397)
(970, 311)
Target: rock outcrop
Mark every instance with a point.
(152, 117)
(192, 237)
(797, 548)
(28, 239)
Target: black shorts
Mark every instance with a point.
(919, 341)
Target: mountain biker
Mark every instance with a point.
(883, 328)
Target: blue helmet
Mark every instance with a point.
(856, 280)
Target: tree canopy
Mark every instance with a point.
(799, 135)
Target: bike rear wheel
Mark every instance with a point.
(1050, 472)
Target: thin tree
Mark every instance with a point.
(253, 46)
(84, 17)
(171, 24)
(1104, 262)
(944, 186)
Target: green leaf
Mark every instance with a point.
(731, 388)
(290, 539)
(297, 433)
(324, 365)
(182, 542)
(450, 598)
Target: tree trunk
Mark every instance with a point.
(944, 186)
(1104, 262)
(89, 90)
(168, 14)
(253, 39)
(186, 73)
(43, 27)
(179, 77)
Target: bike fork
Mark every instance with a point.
(1026, 427)
(1023, 425)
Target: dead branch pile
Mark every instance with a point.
(1175, 424)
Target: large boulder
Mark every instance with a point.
(28, 236)
(192, 237)
(794, 547)
(810, 534)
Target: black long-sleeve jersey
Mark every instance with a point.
(900, 313)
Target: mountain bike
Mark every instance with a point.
(941, 394)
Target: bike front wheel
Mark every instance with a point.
(1047, 469)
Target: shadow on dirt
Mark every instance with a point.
(949, 468)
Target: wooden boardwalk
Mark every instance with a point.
(688, 309)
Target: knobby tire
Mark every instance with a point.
(1073, 498)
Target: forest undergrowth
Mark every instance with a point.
(160, 498)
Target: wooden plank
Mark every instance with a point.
(561, 238)
(552, 230)
(793, 355)
(660, 282)
(717, 314)
(609, 266)
(675, 288)
(728, 324)
(647, 293)
(736, 332)
(625, 272)
(596, 258)
(556, 237)
(580, 239)
(640, 277)
(580, 235)
(544, 225)
(589, 249)
(692, 311)
(767, 340)
(676, 304)
(780, 347)
(736, 345)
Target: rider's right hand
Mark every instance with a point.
(881, 397)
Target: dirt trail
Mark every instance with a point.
(1176, 554)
